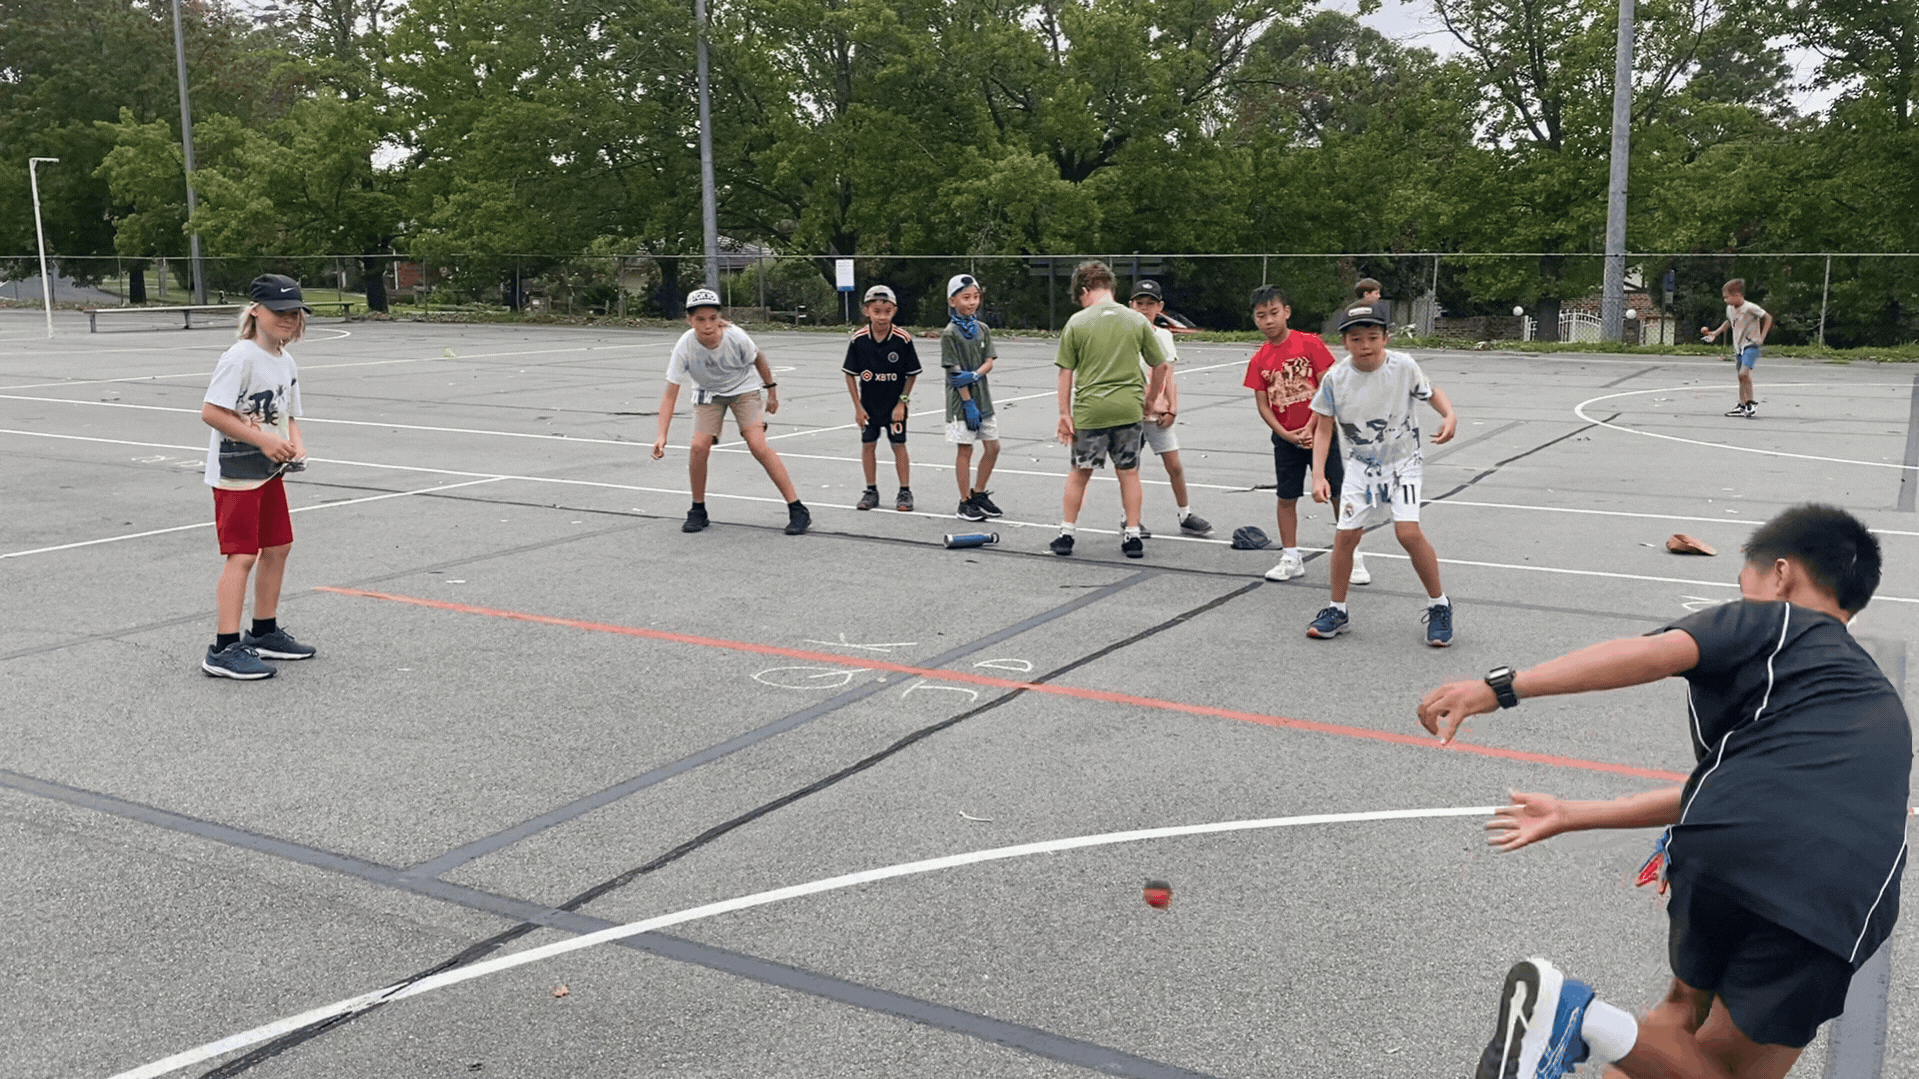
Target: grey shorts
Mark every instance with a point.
(1161, 440)
(1091, 446)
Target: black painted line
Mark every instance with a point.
(1448, 450)
(1908, 479)
(480, 848)
(1635, 374)
(1856, 1043)
(1497, 465)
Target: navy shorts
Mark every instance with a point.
(1778, 986)
(1293, 468)
(881, 419)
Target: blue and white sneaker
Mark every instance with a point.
(1439, 624)
(1540, 1011)
(236, 661)
(1330, 623)
(278, 645)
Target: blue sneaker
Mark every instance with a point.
(1540, 1011)
(1439, 624)
(1331, 623)
(236, 661)
(278, 645)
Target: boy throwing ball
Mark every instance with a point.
(1749, 323)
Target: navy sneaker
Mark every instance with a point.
(1439, 624)
(903, 501)
(1330, 623)
(236, 661)
(985, 504)
(1062, 544)
(1133, 547)
(278, 645)
(798, 519)
(1540, 1011)
(869, 499)
(695, 520)
(970, 510)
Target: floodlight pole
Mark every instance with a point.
(46, 283)
(1612, 299)
(709, 202)
(186, 143)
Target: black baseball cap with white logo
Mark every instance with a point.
(276, 292)
(702, 297)
(1365, 314)
(1148, 288)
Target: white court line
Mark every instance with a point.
(1580, 411)
(1000, 522)
(1623, 513)
(90, 348)
(401, 991)
(209, 524)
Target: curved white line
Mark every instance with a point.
(867, 876)
(1580, 411)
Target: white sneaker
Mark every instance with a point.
(1360, 575)
(1289, 567)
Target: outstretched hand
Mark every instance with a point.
(1531, 818)
(1445, 708)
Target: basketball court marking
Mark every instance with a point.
(829, 659)
(1622, 513)
(89, 348)
(1580, 411)
(401, 991)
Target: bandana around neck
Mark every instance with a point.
(968, 324)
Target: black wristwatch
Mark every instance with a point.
(1501, 679)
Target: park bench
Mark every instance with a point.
(187, 311)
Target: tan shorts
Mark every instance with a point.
(747, 408)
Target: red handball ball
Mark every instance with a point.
(1159, 894)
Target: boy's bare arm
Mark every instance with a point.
(1533, 817)
(1266, 417)
(1629, 661)
(899, 410)
(766, 378)
(1064, 431)
(1156, 382)
(299, 441)
(669, 400)
(1765, 327)
(1322, 445)
(1709, 334)
(853, 391)
(1448, 422)
(235, 426)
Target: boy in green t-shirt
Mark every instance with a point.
(1102, 398)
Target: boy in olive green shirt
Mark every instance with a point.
(1102, 398)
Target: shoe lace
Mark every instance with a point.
(1438, 616)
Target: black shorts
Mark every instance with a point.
(1293, 467)
(1778, 986)
(881, 419)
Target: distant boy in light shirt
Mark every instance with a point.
(1750, 323)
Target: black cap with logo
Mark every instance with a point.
(1148, 288)
(1377, 313)
(276, 292)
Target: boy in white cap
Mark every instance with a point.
(1157, 430)
(728, 372)
(881, 367)
(967, 354)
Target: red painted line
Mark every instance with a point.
(969, 678)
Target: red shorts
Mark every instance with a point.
(248, 521)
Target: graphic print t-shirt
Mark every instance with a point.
(1745, 321)
(263, 388)
(881, 367)
(723, 371)
(1288, 373)
(1797, 806)
(1376, 414)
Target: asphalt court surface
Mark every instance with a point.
(540, 711)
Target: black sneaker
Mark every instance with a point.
(1752, 410)
(971, 511)
(1195, 525)
(1062, 544)
(869, 499)
(278, 645)
(695, 520)
(798, 520)
(1741, 410)
(236, 661)
(1133, 547)
(903, 501)
(985, 504)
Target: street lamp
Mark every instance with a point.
(39, 231)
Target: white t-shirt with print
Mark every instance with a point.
(722, 371)
(1377, 414)
(1744, 322)
(263, 388)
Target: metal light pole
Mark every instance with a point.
(709, 202)
(186, 143)
(46, 283)
(1612, 300)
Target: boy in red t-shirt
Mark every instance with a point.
(1284, 376)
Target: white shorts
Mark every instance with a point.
(1162, 439)
(988, 431)
(1370, 496)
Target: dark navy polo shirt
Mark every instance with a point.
(1797, 808)
(881, 367)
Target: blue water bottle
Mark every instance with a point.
(971, 539)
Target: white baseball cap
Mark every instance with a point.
(959, 283)
(702, 297)
(880, 292)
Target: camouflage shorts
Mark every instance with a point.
(1092, 445)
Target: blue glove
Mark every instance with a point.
(963, 378)
(971, 411)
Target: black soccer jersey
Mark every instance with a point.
(1798, 805)
(882, 367)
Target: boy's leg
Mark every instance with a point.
(1674, 1044)
(232, 591)
(1130, 494)
(272, 567)
(1420, 550)
(1288, 515)
(1345, 543)
(1076, 481)
(763, 453)
(869, 460)
(696, 455)
(901, 465)
(1175, 477)
(963, 470)
(989, 456)
(1745, 384)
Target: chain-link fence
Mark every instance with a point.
(1841, 300)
